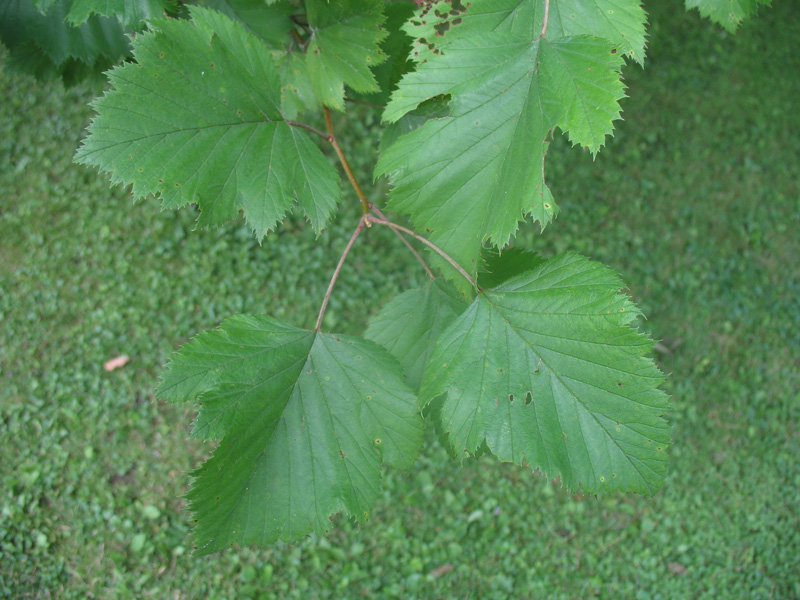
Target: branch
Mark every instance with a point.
(430, 245)
(342, 159)
(413, 250)
(546, 17)
(361, 224)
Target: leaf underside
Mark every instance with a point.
(305, 420)
(546, 370)
(198, 120)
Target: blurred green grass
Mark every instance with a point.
(695, 201)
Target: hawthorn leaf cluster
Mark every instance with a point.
(535, 360)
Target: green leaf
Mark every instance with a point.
(297, 94)
(545, 369)
(272, 24)
(198, 119)
(501, 266)
(96, 39)
(435, 108)
(473, 175)
(130, 13)
(45, 45)
(409, 325)
(396, 48)
(305, 420)
(344, 46)
(621, 22)
(728, 13)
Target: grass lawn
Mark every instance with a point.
(696, 202)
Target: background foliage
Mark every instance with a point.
(695, 202)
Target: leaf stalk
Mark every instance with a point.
(321, 134)
(430, 245)
(408, 245)
(365, 205)
(362, 223)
